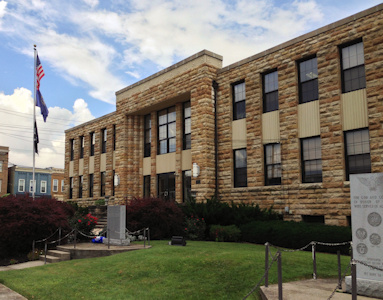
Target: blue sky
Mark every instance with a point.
(90, 49)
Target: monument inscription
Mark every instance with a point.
(367, 227)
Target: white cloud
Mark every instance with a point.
(16, 115)
(3, 6)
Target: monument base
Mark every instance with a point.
(365, 287)
(118, 242)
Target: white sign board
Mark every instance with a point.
(367, 223)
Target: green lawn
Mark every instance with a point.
(201, 270)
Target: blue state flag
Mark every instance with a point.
(40, 103)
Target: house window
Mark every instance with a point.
(239, 101)
(240, 168)
(90, 183)
(114, 137)
(55, 185)
(71, 149)
(32, 186)
(92, 143)
(82, 144)
(43, 187)
(1, 166)
(167, 186)
(308, 80)
(62, 185)
(147, 135)
(270, 91)
(80, 183)
(70, 187)
(147, 186)
(187, 126)
(167, 130)
(353, 72)
(311, 160)
(273, 170)
(21, 187)
(103, 140)
(358, 158)
(186, 182)
(103, 178)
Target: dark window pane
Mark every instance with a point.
(358, 152)
(240, 168)
(309, 91)
(240, 110)
(311, 160)
(271, 102)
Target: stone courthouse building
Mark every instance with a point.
(283, 128)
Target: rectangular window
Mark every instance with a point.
(270, 91)
(1, 166)
(186, 182)
(353, 72)
(103, 181)
(103, 140)
(82, 145)
(92, 143)
(71, 149)
(187, 126)
(21, 187)
(32, 186)
(239, 101)
(43, 187)
(90, 184)
(147, 135)
(240, 168)
(167, 130)
(273, 169)
(80, 183)
(167, 186)
(357, 148)
(62, 185)
(55, 185)
(311, 160)
(147, 186)
(308, 80)
(114, 137)
(71, 187)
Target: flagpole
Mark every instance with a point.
(34, 124)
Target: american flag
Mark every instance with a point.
(39, 72)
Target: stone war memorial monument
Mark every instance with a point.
(117, 225)
(367, 233)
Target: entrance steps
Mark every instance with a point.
(54, 256)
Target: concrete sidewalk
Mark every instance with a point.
(318, 289)
(5, 292)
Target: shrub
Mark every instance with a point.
(195, 228)
(229, 233)
(23, 220)
(99, 202)
(163, 217)
(295, 235)
(84, 224)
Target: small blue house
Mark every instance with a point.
(21, 181)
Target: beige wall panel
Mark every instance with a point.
(308, 119)
(71, 168)
(166, 163)
(91, 164)
(354, 109)
(147, 166)
(186, 160)
(103, 162)
(81, 167)
(239, 134)
(270, 127)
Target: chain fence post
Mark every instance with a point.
(46, 250)
(279, 257)
(339, 271)
(59, 236)
(353, 280)
(267, 264)
(144, 237)
(148, 236)
(313, 248)
(75, 237)
(33, 247)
